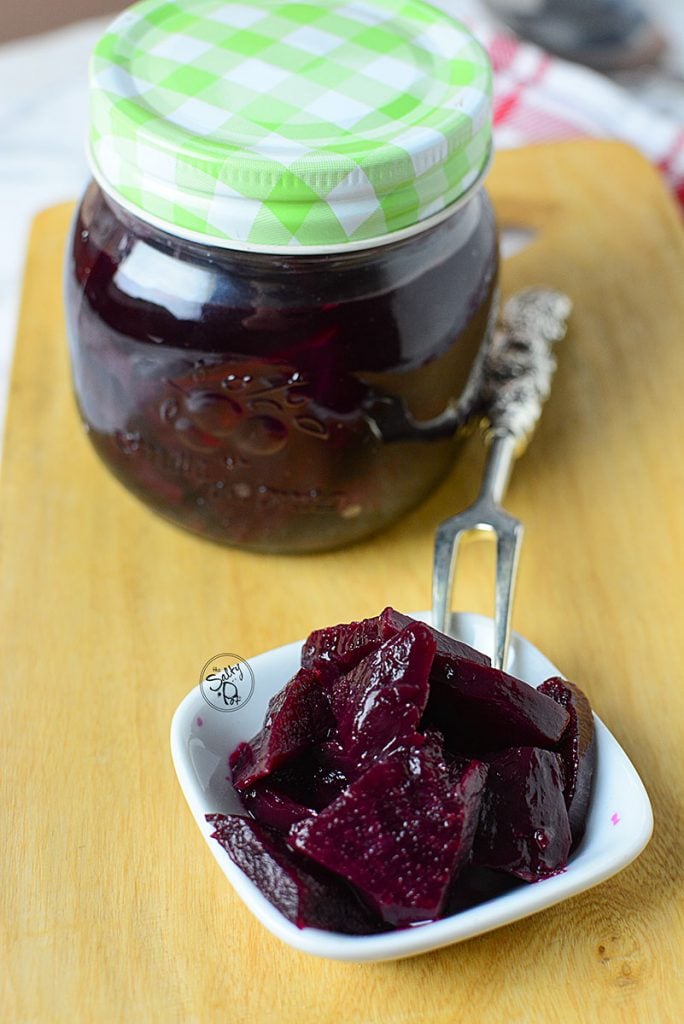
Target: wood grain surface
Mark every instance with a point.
(112, 908)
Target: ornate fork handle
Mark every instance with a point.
(520, 362)
(516, 380)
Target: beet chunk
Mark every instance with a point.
(270, 806)
(399, 833)
(307, 895)
(577, 750)
(448, 650)
(477, 885)
(481, 710)
(310, 780)
(297, 717)
(346, 644)
(524, 826)
(377, 705)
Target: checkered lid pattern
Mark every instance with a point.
(278, 124)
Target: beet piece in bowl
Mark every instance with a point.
(400, 833)
(577, 749)
(378, 703)
(481, 709)
(345, 644)
(524, 828)
(298, 716)
(307, 895)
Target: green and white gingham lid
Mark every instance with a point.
(298, 125)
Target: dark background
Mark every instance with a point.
(26, 17)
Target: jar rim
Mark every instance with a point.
(380, 241)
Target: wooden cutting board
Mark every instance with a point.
(112, 908)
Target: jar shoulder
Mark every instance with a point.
(149, 286)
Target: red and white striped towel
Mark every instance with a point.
(539, 98)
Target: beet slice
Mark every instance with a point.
(270, 806)
(343, 645)
(377, 705)
(399, 833)
(294, 792)
(310, 781)
(475, 885)
(449, 649)
(346, 644)
(577, 749)
(306, 894)
(524, 827)
(298, 717)
(482, 710)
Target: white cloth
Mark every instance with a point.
(43, 116)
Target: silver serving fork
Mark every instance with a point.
(516, 380)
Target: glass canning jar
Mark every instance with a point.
(270, 350)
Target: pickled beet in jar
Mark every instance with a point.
(280, 278)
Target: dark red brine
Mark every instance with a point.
(276, 402)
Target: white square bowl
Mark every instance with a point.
(619, 824)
